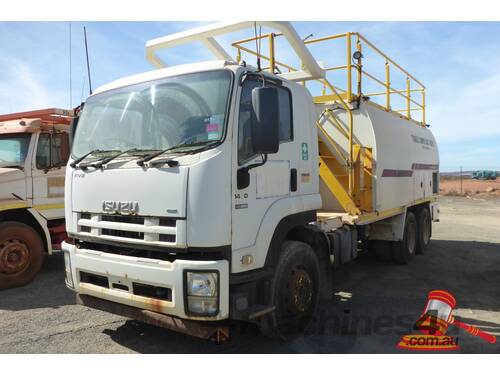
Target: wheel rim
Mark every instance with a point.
(411, 241)
(426, 233)
(14, 257)
(300, 291)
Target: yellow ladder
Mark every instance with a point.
(335, 172)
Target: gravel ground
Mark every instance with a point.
(374, 305)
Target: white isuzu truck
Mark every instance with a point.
(217, 191)
(34, 149)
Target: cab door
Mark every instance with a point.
(48, 170)
(269, 182)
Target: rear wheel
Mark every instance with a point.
(403, 251)
(295, 291)
(424, 230)
(21, 254)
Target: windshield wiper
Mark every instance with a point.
(74, 164)
(181, 145)
(100, 163)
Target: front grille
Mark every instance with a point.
(167, 237)
(169, 255)
(167, 222)
(94, 279)
(123, 233)
(151, 291)
(123, 219)
(139, 289)
(148, 230)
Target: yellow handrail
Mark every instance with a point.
(389, 91)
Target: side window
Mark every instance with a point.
(245, 151)
(60, 149)
(43, 151)
(285, 111)
(52, 150)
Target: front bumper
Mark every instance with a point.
(123, 272)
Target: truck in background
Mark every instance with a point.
(484, 175)
(34, 150)
(212, 191)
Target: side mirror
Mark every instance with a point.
(265, 120)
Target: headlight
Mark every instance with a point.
(67, 269)
(202, 284)
(202, 293)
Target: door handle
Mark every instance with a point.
(293, 179)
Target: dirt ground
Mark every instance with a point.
(470, 187)
(375, 302)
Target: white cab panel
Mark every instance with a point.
(158, 191)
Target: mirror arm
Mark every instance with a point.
(252, 166)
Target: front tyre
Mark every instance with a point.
(21, 254)
(295, 291)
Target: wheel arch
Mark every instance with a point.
(30, 217)
(287, 229)
(298, 227)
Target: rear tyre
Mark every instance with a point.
(404, 251)
(295, 292)
(21, 254)
(424, 230)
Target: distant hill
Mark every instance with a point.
(465, 174)
(455, 174)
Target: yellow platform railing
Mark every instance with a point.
(413, 93)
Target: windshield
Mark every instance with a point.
(156, 115)
(13, 149)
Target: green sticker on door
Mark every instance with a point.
(305, 152)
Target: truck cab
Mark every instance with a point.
(194, 215)
(34, 149)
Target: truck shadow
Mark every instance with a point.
(374, 303)
(47, 290)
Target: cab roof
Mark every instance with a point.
(164, 73)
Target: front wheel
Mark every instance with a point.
(295, 291)
(21, 254)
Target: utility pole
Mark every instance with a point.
(461, 190)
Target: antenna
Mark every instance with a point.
(257, 43)
(87, 54)
(70, 71)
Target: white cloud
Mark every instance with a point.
(22, 89)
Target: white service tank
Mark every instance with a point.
(405, 155)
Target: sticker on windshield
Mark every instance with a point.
(212, 136)
(212, 127)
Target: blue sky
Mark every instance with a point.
(457, 61)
